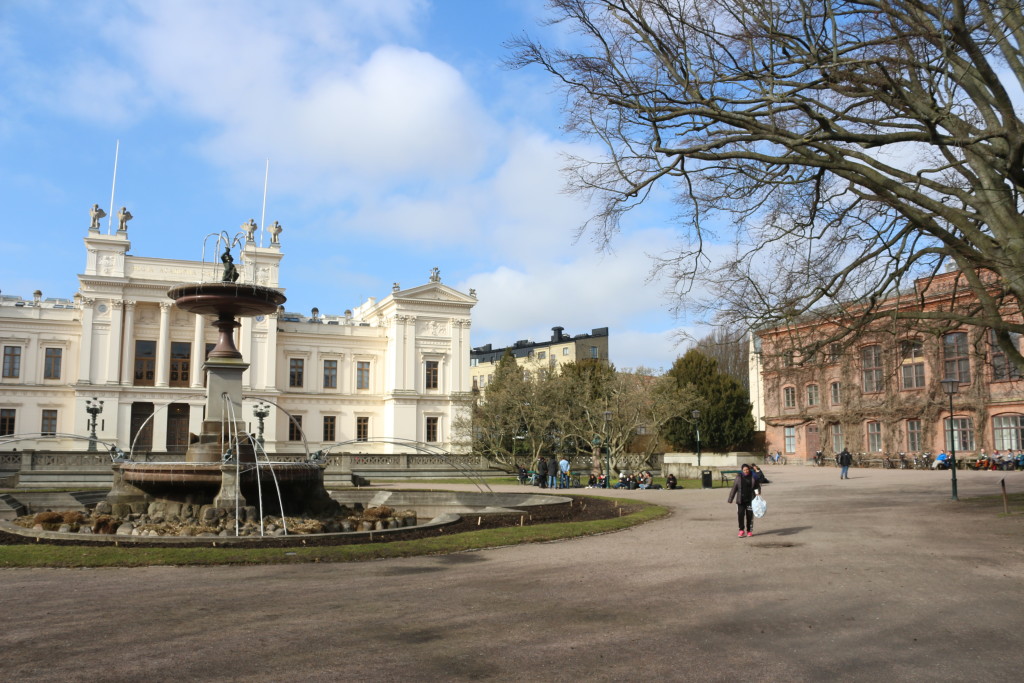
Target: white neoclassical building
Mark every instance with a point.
(381, 375)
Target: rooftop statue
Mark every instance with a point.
(250, 230)
(96, 213)
(275, 233)
(123, 216)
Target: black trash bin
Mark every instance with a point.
(705, 479)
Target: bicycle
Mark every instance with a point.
(777, 459)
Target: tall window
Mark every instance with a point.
(871, 368)
(963, 433)
(594, 352)
(296, 370)
(7, 416)
(329, 423)
(835, 351)
(51, 363)
(431, 430)
(330, 374)
(875, 437)
(788, 359)
(145, 362)
(362, 429)
(431, 379)
(912, 364)
(790, 437)
(813, 398)
(181, 357)
(295, 428)
(954, 356)
(836, 389)
(1002, 368)
(12, 361)
(913, 435)
(836, 432)
(1008, 431)
(363, 374)
(789, 397)
(48, 426)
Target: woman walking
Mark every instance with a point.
(744, 488)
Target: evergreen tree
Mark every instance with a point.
(725, 412)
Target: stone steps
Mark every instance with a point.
(10, 507)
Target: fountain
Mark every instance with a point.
(222, 468)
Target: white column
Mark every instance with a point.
(245, 347)
(198, 355)
(163, 354)
(128, 344)
(411, 371)
(113, 369)
(270, 354)
(85, 356)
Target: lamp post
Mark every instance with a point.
(951, 387)
(260, 411)
(94, 408)
(695, 414)
(607, 467)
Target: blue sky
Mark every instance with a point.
(397, 142)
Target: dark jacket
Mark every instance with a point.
(845, 459)
(553, 468)
(752, 489)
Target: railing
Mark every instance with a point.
(34, 461)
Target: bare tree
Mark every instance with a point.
(730, 349)
(855, 144)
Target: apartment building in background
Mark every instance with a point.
(531, 356)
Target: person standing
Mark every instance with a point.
(845, 460)
(552, 473)
(563, 472)
(744, 488)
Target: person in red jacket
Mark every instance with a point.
(744, 488)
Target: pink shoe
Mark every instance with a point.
(742, 533)
(750, 533)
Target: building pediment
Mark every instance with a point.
(433, 292)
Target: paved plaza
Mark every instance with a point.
(879, 578)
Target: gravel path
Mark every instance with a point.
(877, 578)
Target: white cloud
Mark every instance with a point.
(593, 290)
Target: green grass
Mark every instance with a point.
(41, 555)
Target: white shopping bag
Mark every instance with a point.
(760, 506)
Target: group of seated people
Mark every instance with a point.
(641, 480)
(1008, 460)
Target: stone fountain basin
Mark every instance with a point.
(441, 508)
(187, 474)
(217, 298)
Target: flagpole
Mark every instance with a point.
(113, 184)
(263, 215)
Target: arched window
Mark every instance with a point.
(789, 397)
(1008, 432)
(956, 363)
(813, 398)
(911, 364)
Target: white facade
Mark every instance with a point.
(391, 370)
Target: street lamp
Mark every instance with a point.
(607, 467)
(260, 411)
(951, 387)
(695, 414)
(94, 408)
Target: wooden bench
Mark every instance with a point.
(727, 475)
